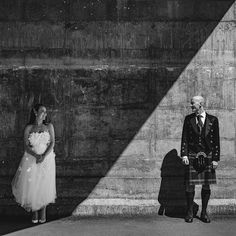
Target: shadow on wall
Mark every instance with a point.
(97, 112)
(172, 190)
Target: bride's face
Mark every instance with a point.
(42, 113)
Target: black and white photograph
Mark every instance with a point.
(118, 117)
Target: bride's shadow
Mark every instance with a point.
(172, 190)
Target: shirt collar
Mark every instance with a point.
(203, 115)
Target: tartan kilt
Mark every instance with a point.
(192, 177)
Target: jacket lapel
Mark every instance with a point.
(208, 125)
(194, 124)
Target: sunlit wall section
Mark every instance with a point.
(148, 173)
(212, 74)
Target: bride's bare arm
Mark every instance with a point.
(52, 141)
(27, 146)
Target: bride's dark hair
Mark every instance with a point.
(33, 116)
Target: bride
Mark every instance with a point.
(34, 185)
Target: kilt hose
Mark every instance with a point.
(193, 177)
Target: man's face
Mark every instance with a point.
(195, 106)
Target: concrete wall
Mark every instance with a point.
(116, 77)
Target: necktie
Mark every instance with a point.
(199, 123)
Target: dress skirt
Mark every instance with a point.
(34, 185)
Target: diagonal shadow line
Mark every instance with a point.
(78, 174)
(158, 88)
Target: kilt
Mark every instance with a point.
(192, 177)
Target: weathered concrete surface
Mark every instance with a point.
(117, 77)
(126, 226)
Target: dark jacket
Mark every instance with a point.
(190, 136)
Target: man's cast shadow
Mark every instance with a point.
(172, 190)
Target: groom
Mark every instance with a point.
(200, 153)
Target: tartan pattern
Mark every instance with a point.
(192, 177)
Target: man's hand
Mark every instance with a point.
(214, 164)
(185, 160)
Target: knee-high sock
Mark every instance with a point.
(205, 194)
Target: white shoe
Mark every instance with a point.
(41, 221)
(35, 221)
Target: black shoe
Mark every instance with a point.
(188, 218)
(205, 218)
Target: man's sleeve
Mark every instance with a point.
(184, 140)
(216, 142)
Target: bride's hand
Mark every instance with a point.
(39, 159)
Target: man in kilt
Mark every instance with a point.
(200, 153)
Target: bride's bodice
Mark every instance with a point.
(39, 141)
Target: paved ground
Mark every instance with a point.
(114, 226)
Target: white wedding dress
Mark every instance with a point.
(34, 185)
